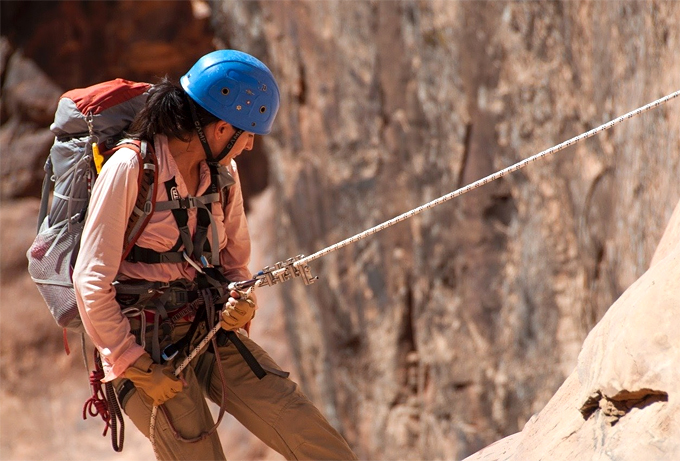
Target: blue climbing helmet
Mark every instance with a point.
(235, 87)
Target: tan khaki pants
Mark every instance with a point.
(273, 408)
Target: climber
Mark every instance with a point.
(146, 312)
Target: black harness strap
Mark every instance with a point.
(148, 256)
(181, 217)
(227, 335)
(201, 241)
(173, 349)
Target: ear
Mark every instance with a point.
(222, 129)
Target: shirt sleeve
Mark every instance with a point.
(113, 198)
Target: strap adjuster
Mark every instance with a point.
(187, 202)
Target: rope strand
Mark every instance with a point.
(485, 180)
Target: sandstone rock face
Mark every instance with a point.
(621, 400)
(434, 338)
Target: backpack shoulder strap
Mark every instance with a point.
(146, 198)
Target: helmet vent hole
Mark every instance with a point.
(252, 124)
(263, 109)
(225, 91)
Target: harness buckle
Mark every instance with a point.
(179, 297)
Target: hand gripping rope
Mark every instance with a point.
(298, 266)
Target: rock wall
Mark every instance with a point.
(447, 332)
(436, 337)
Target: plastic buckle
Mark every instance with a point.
(204, 261)
(169, 352)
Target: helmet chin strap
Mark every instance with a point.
(204, 140)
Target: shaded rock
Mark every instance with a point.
(80, 43)
(31, 98)
(30, 94)
(23, 159)
(51, 47)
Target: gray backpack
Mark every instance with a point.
(89, 125)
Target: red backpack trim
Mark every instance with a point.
(98, 98)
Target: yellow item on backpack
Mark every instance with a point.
(98, 158)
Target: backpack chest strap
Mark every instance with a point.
(188, 202)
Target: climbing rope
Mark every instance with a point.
(297, 267)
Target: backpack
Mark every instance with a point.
(89, 125)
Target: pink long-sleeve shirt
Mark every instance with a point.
(99, 261)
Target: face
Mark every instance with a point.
(222, 134)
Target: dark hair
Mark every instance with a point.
(167, 112)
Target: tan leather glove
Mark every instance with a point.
(155, 381)
(237, 313)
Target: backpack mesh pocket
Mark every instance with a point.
(50, 264)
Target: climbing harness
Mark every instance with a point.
(298, 266)
(210, 337)
(163, 304)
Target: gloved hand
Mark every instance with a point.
(237, 312)
(156, 381)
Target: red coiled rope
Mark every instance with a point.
(98, 404)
